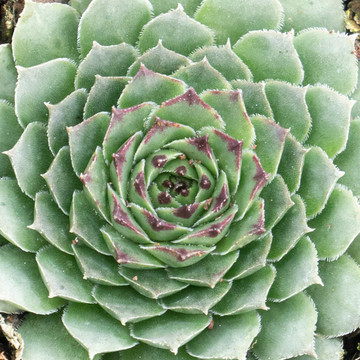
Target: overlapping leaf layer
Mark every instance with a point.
(180, 181)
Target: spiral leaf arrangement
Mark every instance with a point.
(180, 181)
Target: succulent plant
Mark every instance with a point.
(180, 181)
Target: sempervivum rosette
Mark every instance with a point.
(177, 182)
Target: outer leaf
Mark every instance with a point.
(8, 73)
(326, 349)
(159, 6)
(50, 341)
(142, 350)
(45, 32)
(97, 331)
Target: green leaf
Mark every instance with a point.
(67, 112)
(230, 106)
(338, 301)
(127, 253)
(96, 267)
(21, 284)
(251, 259)
(287, 329)
(94, 329)
(31, 148)
(50, 341)
(97, 22)
(126, 305)
(62, 180)
(171, 330)
(178, 32)
(338, 224)
(289, 107)
(326, 349)
(84, 138)
(51, 223)
(208, 272)
(16, 214)
(62, 276)
(104, 94)
(111, 60)
(303, 15)
(195, 299)
(330, 115)
(230, 337)
(45, 32)
(337, 69)
(154, 284)
(202, 76)
(188, 109)
(224, 60)
(86, 223)
(296, 271)
(147, 85)
(233, 19)
(10, 132)
(159, 6)
(269, 135)
(159, 59)
(349, 160)
(48, 82)
(318, 180)
(289, 230)
(8, 73)
(80, 5)
(270, 55)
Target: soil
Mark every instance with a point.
(9, 14)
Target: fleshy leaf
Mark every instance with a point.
(154, 284)
(207, 273)
(178, 32)
(147, 85)
(159, 6)
(230, 106)
(247, 294)
(287, 329)
(195, 299)
(80, 5)
(318, 179)
(289, 230)
(330, 115)
(48, 82)
(98, 268)
(159, 59)
(337, 69)
(62, 276)
(84, 138)
(45, 32)
(51, 223)
(66, 113)
(296, 271)
(21, 284)
(127, 253)
(111, 60)
(171, 330)
(10, 132)
(104, 94)
(326, 349)
(270, 55)
(8, 73)
(337, 226)
(50, 340)
(86, 223)
(31, 148)
(338, 300)
(229, 338)
(16, 214)
(224, 60)
(289, 107)
(96, 330)
(125, 304)
(232, 19)
(202, 76)
(97, 22)
(62, 180)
